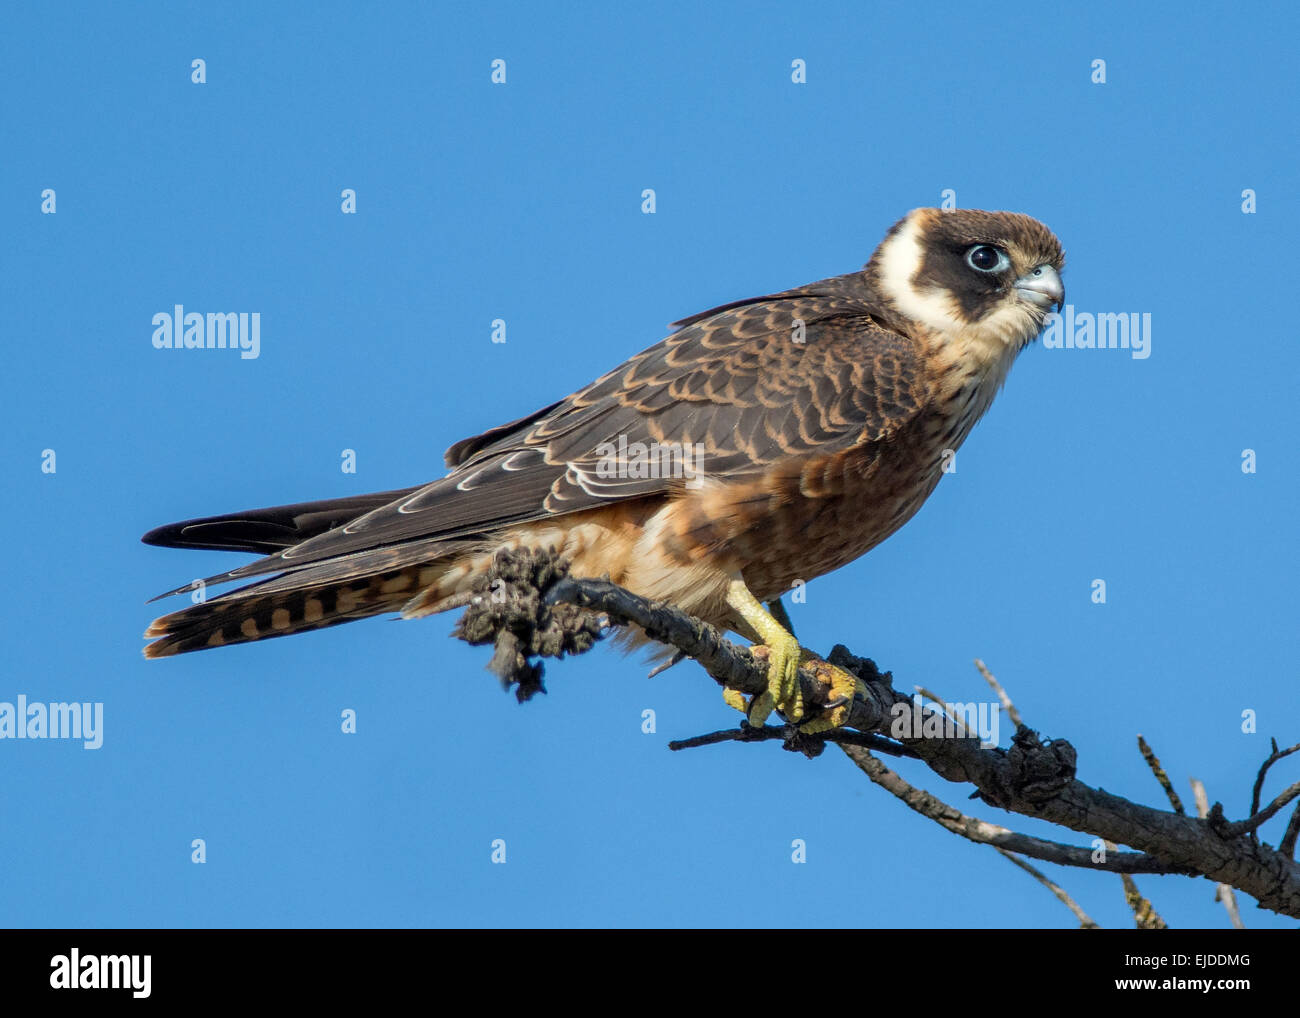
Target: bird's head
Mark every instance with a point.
(987, 277)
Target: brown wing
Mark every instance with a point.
(268, 530)
(740, 382)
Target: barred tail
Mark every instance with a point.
(243, 615)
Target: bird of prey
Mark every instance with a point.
(814, 423)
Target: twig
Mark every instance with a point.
(677, 658)
(1287, 845)
(1007, 705)
(1222, 892)
(1153, 762)
(1273, 758)
(1085, 921)
(933, 696)
(1144, 915)
(1252, 823)
(790, 735)
(984, 833)
(947, 708)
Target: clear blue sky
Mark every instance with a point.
(523, 202)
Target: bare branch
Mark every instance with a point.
(943, 704)
(1144, 915)
(1287, 845)
(812, 745)
(677, 658)
(1153, 762)
(544, 613)
(932, 696)
(1007, 705)
(1228, 897)
(1223, 892)
(984, 833)
(1085, 921)
(1273, 758)
(1249, 825)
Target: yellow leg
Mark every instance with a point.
(784, 654)
(784, 658)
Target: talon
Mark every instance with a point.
(845, 687)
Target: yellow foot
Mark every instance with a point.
(783, 692)
(844, 687)
(783, 655)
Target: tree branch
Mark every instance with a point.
(984, 833)
(543, 612)
(1223, 892)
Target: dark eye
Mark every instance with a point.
(987, 258)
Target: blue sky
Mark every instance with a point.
(522, 202)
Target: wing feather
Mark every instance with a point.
(740, 381)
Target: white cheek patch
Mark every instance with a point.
(900, 260)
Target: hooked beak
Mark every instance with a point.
(1042, 288)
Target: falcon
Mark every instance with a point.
(814, 422)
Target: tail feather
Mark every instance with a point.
(231, 619)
